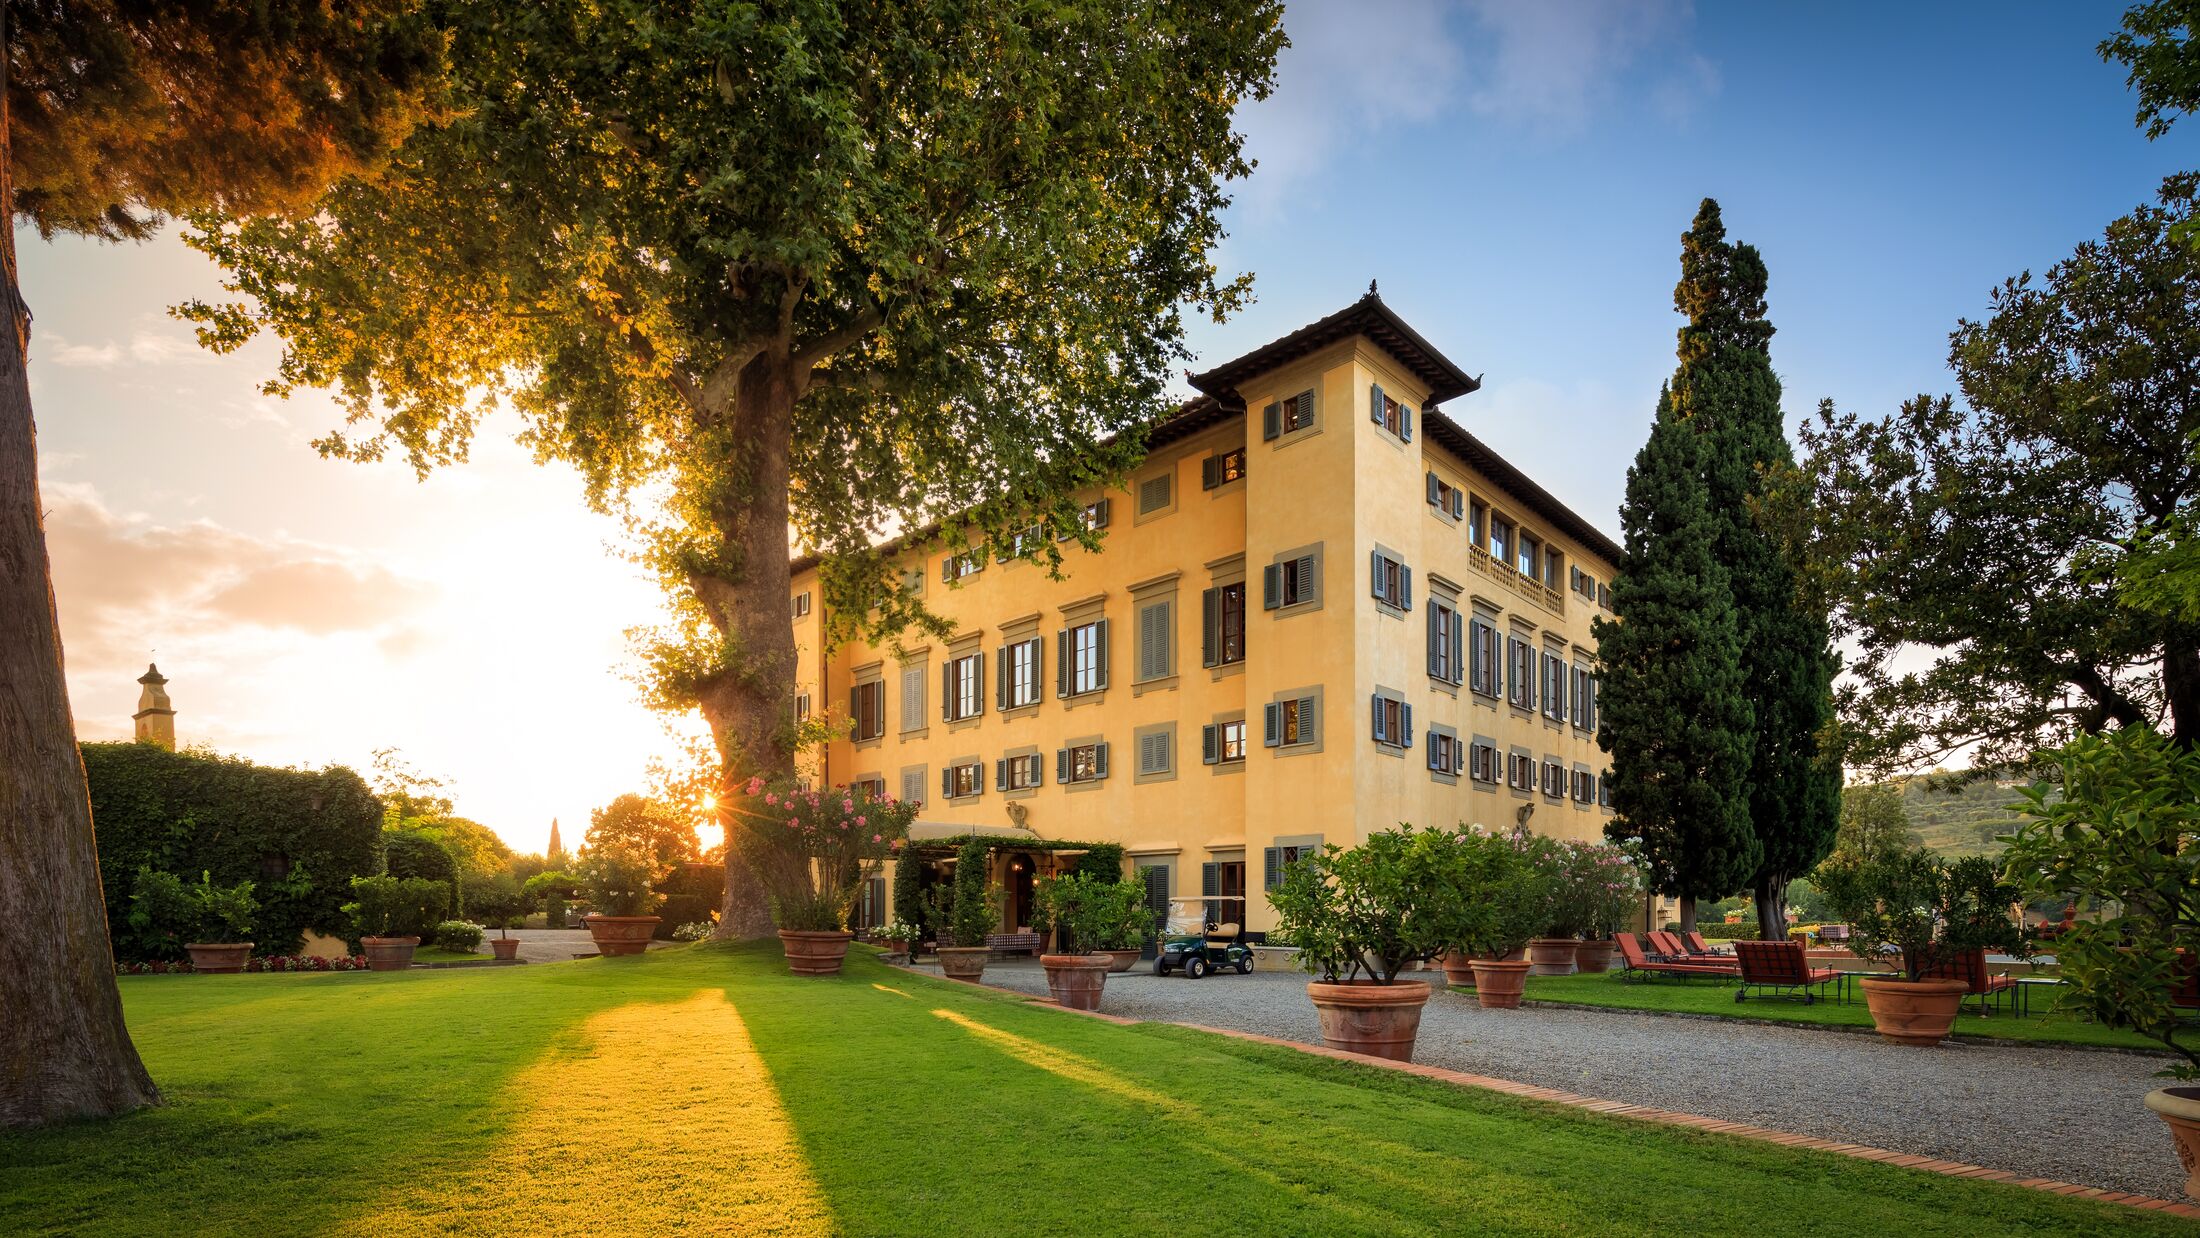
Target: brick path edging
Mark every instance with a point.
(1645, 1113)
(1845, 1029)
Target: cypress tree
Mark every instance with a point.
(1674, 718)
(1727, 390)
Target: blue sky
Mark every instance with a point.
(1517, 176)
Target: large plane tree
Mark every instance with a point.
(808, 272)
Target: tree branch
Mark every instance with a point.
(849, 333)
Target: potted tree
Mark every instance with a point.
(1074, 906)
(967, 909)
(1913, 908)
(2122, 836)
(620, 875)
(390, 913)
(1359, 916)
(1553, 954)
(207, 920)
(1611, 896)
(1502, 897)
(828, 843)
(1125, 922)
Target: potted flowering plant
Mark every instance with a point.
(1100, 923)
(620, 875)
(207, 920)
(1924, 911)
(390, 914)
(1567, 913)
(967, 908)
(829, 843)
(1501, 897)
(1608, 891)
(1359, 915)
(898, 937)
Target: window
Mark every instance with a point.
(1081, 763)
(1529, 549)
(1020, 543)
(1283, 417)
(1018, 676)
(1094, 515)
(962, 687)
(1277, 859)
(1021, 773)
(1290, 722)
(802, 707)
(912, 785)
(1554, 779)
(1222, 468)
(1291, 582)
(1483, 675)
(1082, 659)
(801, 604)
(955, 567)
(912, 698)
(1445, 644)
(1157, 752)
(1222, 743)
(1554, 686)
(1156, 639)
(1520, 665)
(1604, 789)
(1584, 702)
(1154, 494)
(1447, 499)
(1501, 540)
(1482, 762)
(1585, 787)
(1445, 754)
(1553, 563)
(912, 579)
(1222, 625)
(873, 787)
(1392, 721)
(1478, 518)
(1390, 581)
(1390, 413)
(1604, 596)
(962, 781)
(1520, 771)
(867, 707)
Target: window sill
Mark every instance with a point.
(1093, 697)
(1295, 608)
(1216, 492)
(1156, 684)
(1445, 686)
(1449, 780)
(964, 724)
(1088, 784)
(1226, 669)
(1019, 793)
(1229, 767)
(1159, 775)
(1020, 711)
(919, 733)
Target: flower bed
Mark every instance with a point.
(280, 962)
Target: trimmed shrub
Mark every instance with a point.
(414, 854)
(168, 913)
(458, 936)
(395, 906)
(1102, 861)
(693, 892)
(299, 836)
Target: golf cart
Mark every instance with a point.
(1196, 944)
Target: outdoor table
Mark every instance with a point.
(2025, 985)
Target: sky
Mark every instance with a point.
(1517, 176)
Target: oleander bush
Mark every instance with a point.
(458, 936)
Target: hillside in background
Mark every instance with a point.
(1963, 821)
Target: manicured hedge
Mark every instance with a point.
(299, 836)
(409, 853)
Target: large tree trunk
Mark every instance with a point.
(749, 707)
(1688, 913)
(64, 1052)
(1772, 909)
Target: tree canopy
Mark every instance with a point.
(666, 832)
(1974, 552)
(2156, 45)
(817, 272)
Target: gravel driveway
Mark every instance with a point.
(2049, 1113)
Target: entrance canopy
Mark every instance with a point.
(935, 831)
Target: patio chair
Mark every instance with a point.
(1643, 966)
(1969, 966)
(1675, 950)
(1698, 950)
(1781, 969)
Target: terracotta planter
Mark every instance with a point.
(963, 962)
(1122, 960)
(1499, 983)
(224, 958)
(1458, 969)
(1380, 1020)
(1913, 1012)
(620, 935)
(1551, 956)
(1076, 980)
(814, 953)
(1594, 957)
(505, 948)
(896, 945)
(2179, 1109)
(388, 953)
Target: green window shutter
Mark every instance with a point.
(1435, 642)
(1100, 760)
(1271, 586)
(1210, 627)
(1000, 680)
(1061, 663)
(947, 781)
(947, 690)
(1000, 774)
(1210, 879)
(977, 669)
(1405, 725)
(1061, 765)
(1375, 575)
(1435, 499)
(1271, 867)
(1100, 653)
(1210, 472)
(1375, 403)
(1405, 587)
(1272, 724)
(1305, 415)
(1210, 744)
(1375, 706)
(1271, 422)
(1405, 422)
(1310, 581)
(1309, 723)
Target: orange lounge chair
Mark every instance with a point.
(1969, 966)
(1783, 970)
(1644, 967)
(1697, 948)
(1676, 951)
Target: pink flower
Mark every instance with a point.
(847, 805)
(794, 823)
(879, 838)
(771, 801)
(756, 784)
(859, 823)
(897, 844)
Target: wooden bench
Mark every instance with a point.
(1012, 943)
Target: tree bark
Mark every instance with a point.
(64, 1052)
(1688, 913)
(748, 706)
(1771, 896)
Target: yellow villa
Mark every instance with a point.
(1322, 607)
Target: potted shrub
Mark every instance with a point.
(897, 937)
(826, 845)
(1361, 915)
(966, 910)
(2122, 837)
(1611, 894)
(506, 946)
(389, 914)
(549, 890)
(1914, 907)
(458, 936)
(1501, 897)
(207, 920)
(1553, 954)
(1125, 921)
(1073, 905)
(620, 875)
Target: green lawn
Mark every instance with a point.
(704, 1090)
(437, 954)
(1707, 997)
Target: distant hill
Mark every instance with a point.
(1964, 821)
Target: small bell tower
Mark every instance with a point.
(155, 717)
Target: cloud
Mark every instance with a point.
(53, 347)
(165, 348)
(1555, 66)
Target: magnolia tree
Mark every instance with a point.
(827, 843)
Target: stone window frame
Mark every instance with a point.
(1140, 514)
(1140, 776)
(1305, 605)
(1022, 752)
(1458, 767)
(1318, 694)
(1104, 759)
(1219, 721)
(924, 787)
(1160, 591)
